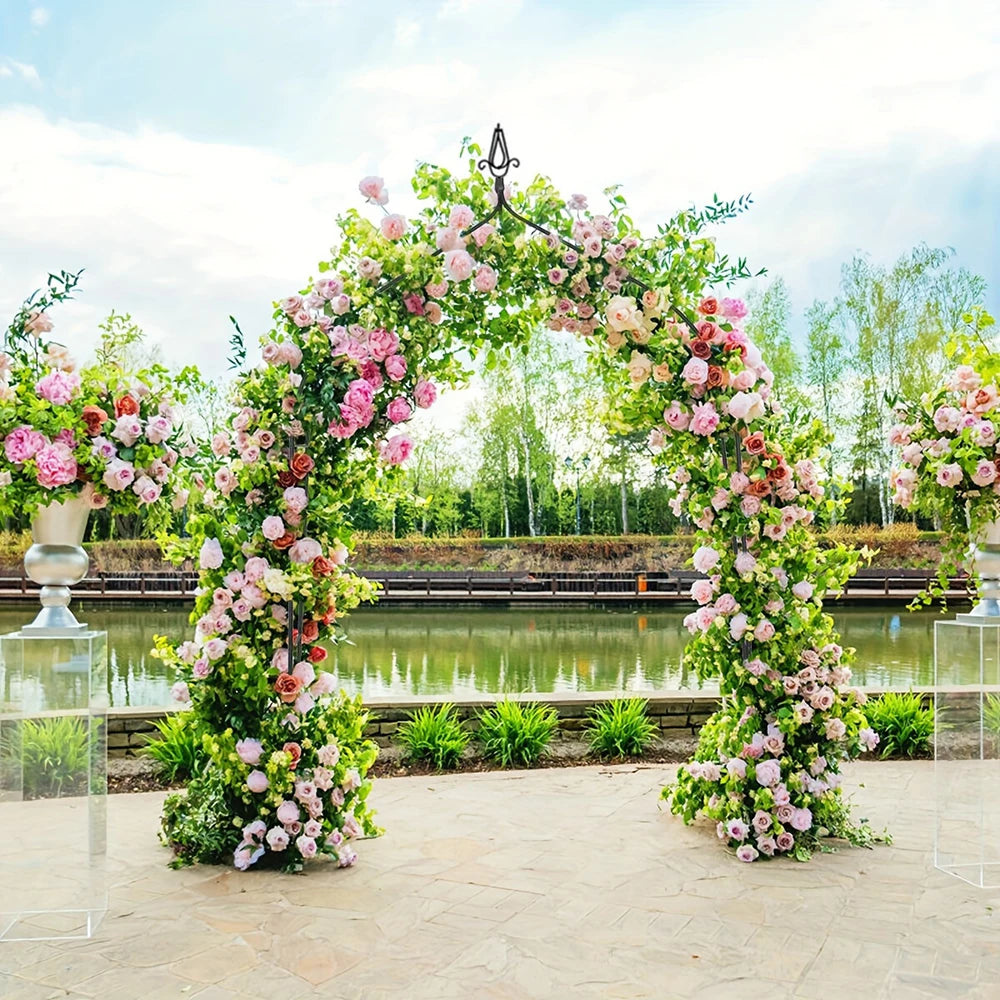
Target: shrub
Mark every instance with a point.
(178, 752)
(991, 714)
(435, 734)
(904, 726)
(515, 733)
(54, 752)
(620, 728)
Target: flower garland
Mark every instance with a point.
(351, 357)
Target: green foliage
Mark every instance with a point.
(55, 753)
(991, 714)
(178, 751)
(513, 732)
(620, 728)
(905, 727)
(434, 734)
(196, 824)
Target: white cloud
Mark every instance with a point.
(27, 72)
(40, 17)
(407, 31)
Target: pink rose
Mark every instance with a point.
(764, 631)
(458, 264)
(949, 475)
(382, 344)
(398, 410)
(425, 394)
(22, 443)
(436, 289)
(675, 417)
(158, 429)
(273, 528)
(373, 189)
(249, 751)
(461, 217)
(733, 308)
(393, 226)
(803, 590)
(128, 430)
(118, 474)
(56, 465)
(210, 556)
(58, 387)
(701, 591)
(485, 279)
(305, 550)
(695, 372)
(257, 781)
(38, 323)
(307, 846)
(705, 559)
(985, 474)
(432, 313)
(288, 812)
(369, 269)
(277, 839)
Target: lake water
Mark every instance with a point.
(466, 651)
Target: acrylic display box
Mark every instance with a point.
(53, 785)
(967, 750)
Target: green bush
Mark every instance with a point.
(516, 733)
(620, 728)
(434, 734)
(991, 714)
(178, 752)
(55, 753)
(904, 726)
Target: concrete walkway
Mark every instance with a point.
(559, 884)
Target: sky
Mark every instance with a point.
(193, 156)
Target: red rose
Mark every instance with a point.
(301, 465)
(287, 687)
(778, 473)
(126, 407)
(754, 444)
(701, 350)
(295, 752)
(322, 566)
(284, 542)
(759, 488)
(317, 654)
(709, 306)
(94, 417)
(286, 479)
(310, 631)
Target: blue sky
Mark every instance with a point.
(193, 156)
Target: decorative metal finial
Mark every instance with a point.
(499, 161)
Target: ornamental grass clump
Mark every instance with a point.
(620, 728)
(52, 755)
(516, 733)
(904, 726)
(178, 750)
(434, 734)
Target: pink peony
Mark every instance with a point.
(395, 367)
(733, 308)
(58, 387)
(393, 226)
(458, 264)
(56, 465)
(396, 450)
(704, 418)
(425, 394)
(398, 410)
(22, 443)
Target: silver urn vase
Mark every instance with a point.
(56, 561)
(984, 555)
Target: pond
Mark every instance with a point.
(461, 651)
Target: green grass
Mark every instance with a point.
(904, 726)
(516, 733)
(434, 734)
(53, 755)
(620, 728)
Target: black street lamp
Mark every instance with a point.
(576, 467)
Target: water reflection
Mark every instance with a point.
(467, 651)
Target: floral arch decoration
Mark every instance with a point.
(350, 358)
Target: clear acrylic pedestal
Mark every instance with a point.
(966, 758)
(53, 785)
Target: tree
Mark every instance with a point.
(767, 325)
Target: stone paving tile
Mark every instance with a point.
(583, 888)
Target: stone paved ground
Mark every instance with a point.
(543, 884)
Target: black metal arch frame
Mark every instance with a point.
(499, 162)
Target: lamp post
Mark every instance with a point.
(576, 467)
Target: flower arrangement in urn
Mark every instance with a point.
(75, 439)
(949, 463)
(102, 432)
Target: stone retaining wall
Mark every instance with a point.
(677, 713)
